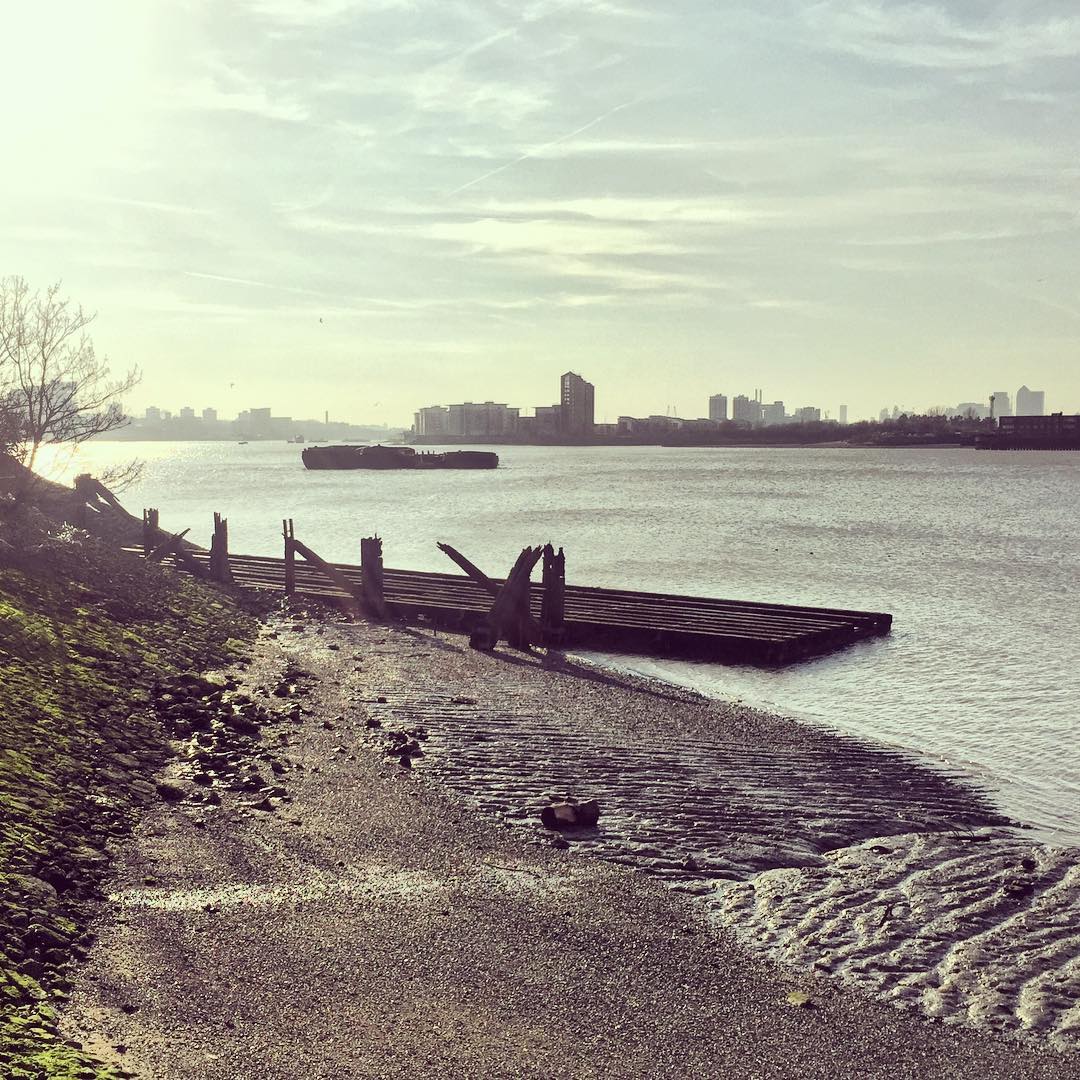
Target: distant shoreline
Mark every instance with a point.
(833, 444)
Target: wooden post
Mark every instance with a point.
(553, 606)
(528, 625)
(149, 531)
(84, 493)
(371, 579)
(509, 613)
(290, 557)
(219, 551)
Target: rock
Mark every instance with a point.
(242, 725)
(463, 700)
(171, 793)
(372, 722)
(571, 815)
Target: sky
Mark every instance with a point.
(366, 207)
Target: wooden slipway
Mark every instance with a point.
(732, 631)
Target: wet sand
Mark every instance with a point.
(416, 920)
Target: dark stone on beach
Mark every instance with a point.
(171, 793)
(1028, 863)
(560, 843)
(277, 767)
(463, 701)
(372, 722)
(571, 815)
(242, 725)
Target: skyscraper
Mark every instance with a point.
(718, 407)
(577, 411)
(843, 414)
(742, 408)
(1030, 402)
(1002, 404)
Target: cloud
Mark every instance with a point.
(539, 150)
(931, 36)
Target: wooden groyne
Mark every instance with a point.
(548, 612)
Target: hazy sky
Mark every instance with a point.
(367, 207)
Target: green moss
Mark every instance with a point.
(85, 632)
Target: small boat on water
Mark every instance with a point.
(395, 457)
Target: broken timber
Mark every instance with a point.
(554, 613)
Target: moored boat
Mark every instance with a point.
(395, 457)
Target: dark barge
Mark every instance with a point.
(395, 457)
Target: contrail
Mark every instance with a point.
(540, 149)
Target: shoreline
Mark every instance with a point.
(496, 737)
(968, 772)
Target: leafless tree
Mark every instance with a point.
(53, 387)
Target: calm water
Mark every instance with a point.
(976, 554)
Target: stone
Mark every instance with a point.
(171, 793)
(571, 815)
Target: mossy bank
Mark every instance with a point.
(86, 632)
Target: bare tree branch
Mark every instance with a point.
(53, 387)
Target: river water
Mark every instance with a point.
(975, 553)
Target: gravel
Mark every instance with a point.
(377, 925)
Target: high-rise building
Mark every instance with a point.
(1002, 404)
(718, 407)
(773, 414)
(153, 414)
(431, 421)
(576, 407)
(187, 413)
(745, 410)
(1030, 402)
(843, 414)
(210, 415)
(472, 419)
(807, 415)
